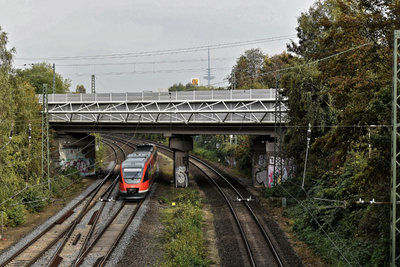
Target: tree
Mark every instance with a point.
(6, 55)
(268, 77)
(190, 87)
(80, 89)
(42, 73)
(246, 73)
(353, 88)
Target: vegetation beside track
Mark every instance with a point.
(222, 149)
(183, 240)
(100, 152)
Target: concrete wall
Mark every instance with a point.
(263, 152)
(76, 150)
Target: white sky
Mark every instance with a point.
(50, 28)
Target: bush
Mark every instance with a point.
(16, 213)
(207, 154)
(35, 200)
(61, 184)
(183, 236)
(332, 245)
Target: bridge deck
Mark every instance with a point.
(252, 108)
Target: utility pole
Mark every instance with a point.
(209, 77)
(278, 132)
(93, 84)
(29, 153)
(305, 161)
(395, 194)
(45, 167)
(54, 78)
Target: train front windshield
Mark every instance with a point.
(132, 176)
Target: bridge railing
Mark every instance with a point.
(164, 96)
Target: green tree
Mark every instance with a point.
(6, 55)
(42, 73)
(308, 104)
(190, 87)
(246, 72)
(80, 89)
(353, 92)
(268, 77)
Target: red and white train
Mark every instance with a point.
(137, 172)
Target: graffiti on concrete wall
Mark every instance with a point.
(260, 170)
(73, 157)
(264, 172)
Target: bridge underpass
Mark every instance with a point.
(177, 115)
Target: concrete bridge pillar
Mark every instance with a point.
(262, 151)
(181, 145)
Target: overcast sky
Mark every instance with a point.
(50, 30)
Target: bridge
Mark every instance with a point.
(250, 112)
(175, 114)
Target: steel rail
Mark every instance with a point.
(96, 219)
(129, 221)
(238, 223)
(102, 260)
(264, 233)
(56, 259)
(47, 229)
(237, 220)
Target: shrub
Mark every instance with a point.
(183, 237)
(16, 214)
(35, 200)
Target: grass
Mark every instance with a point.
(183, 240)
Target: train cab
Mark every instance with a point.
(137, 172)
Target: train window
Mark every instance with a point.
(132, 176)
(146, 176)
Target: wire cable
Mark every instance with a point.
(164, 52)
(142, 62)
(147, 72)
(319, 60)
(319, 225)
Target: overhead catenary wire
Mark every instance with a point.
(315, 62)
(164, 52)
(337, 248)
(147, 72)
(319, 60)
(142, 62)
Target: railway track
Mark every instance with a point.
(69, 236)
(259, 246)
(34, 249)
(98, 252)
(77, 242)
(86, 243)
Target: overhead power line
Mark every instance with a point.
(164, 52)
(147, 72)
(319, 60)
(144, 62)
